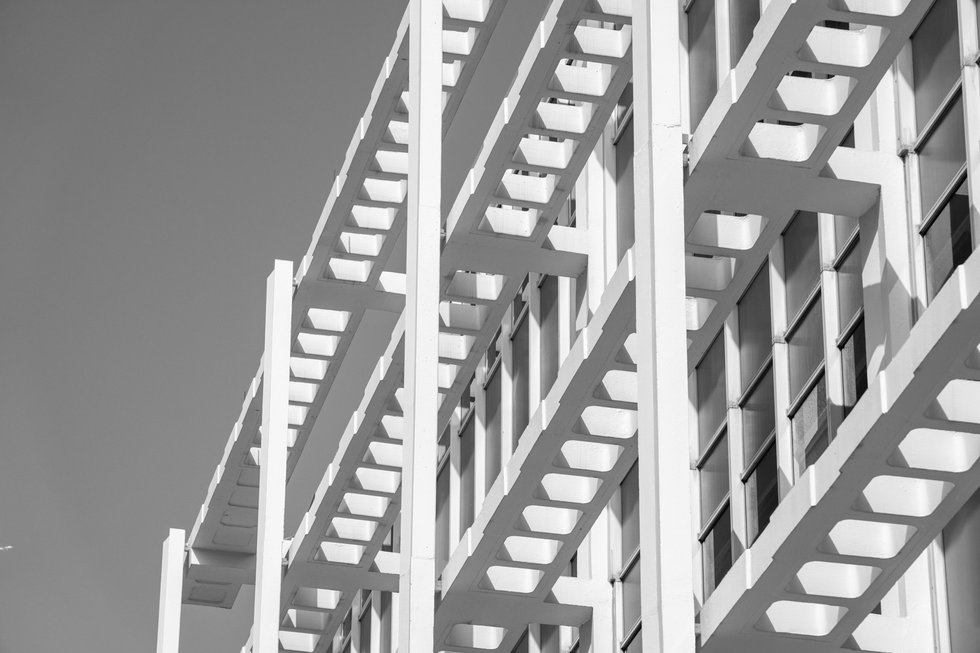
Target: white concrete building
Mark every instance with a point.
(707, 301)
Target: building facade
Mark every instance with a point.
(780, 194)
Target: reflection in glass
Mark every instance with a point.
(758, 416)
(754, 326)
(942, 156)
(714, 478)
(948, 241)
(631, 596)
(805, 348)
(810, 424)
(702, 60)
(801, 260)
(935, 59)
(762, 492)
(629, 503)
(717, 551)
(711, 391)
(855, 362)
(850, 289)
(624, 192)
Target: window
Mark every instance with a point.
(702, 59)
(948, 240)
(492, 426)
(754, 327)
(443, 542)
(757, 404)
(467, 437)
(625, 232)
(635, 645)
(850, 306)
(364, 622)
(714, 478)
(631, 596)
(935, 59)
(805, 348)
(744, 15)
(801, 258)
(941, 148)
(758, 416)
(845, 228)
(942, 155)
(712, 464)
(711, 392)
(629, 503)
(522, 646)
(762, 490)
(810, 432)
(850, 289)
(717, 550)
(550, 333)
(629, 511)
(520, 367)
(855, 364)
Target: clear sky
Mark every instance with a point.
(156, 156)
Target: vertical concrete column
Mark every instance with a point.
(417, 579)
(534, 343)
(667, 594)
(272, 460)
(171, 589)
(592, 206)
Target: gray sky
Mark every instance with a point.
(155, 157)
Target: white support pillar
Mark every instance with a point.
(171, 589)
(272, 459)
(667, 584)
(417, 578)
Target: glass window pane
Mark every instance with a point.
(762, 493)
(801, 257)
(550, 332)
(631, 597)
(523, 645)
(629, 508)
(714, 479)
(805, 348)
(550, 639)
(711, 391)
(744, 17)
(855, 362)
(466, 476)
(443, 543)
(844, 228)
(810, 424)
(961, 549)
(758, 416)
(365, 631)
(636, 644)
(942, 156)
(717, 551)
(935, 59)
(442, 446)
(625, 235)
(521, 381)
(754, 326)
(850, 290)
(493, 431)
(702, 61)
(949, 241)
